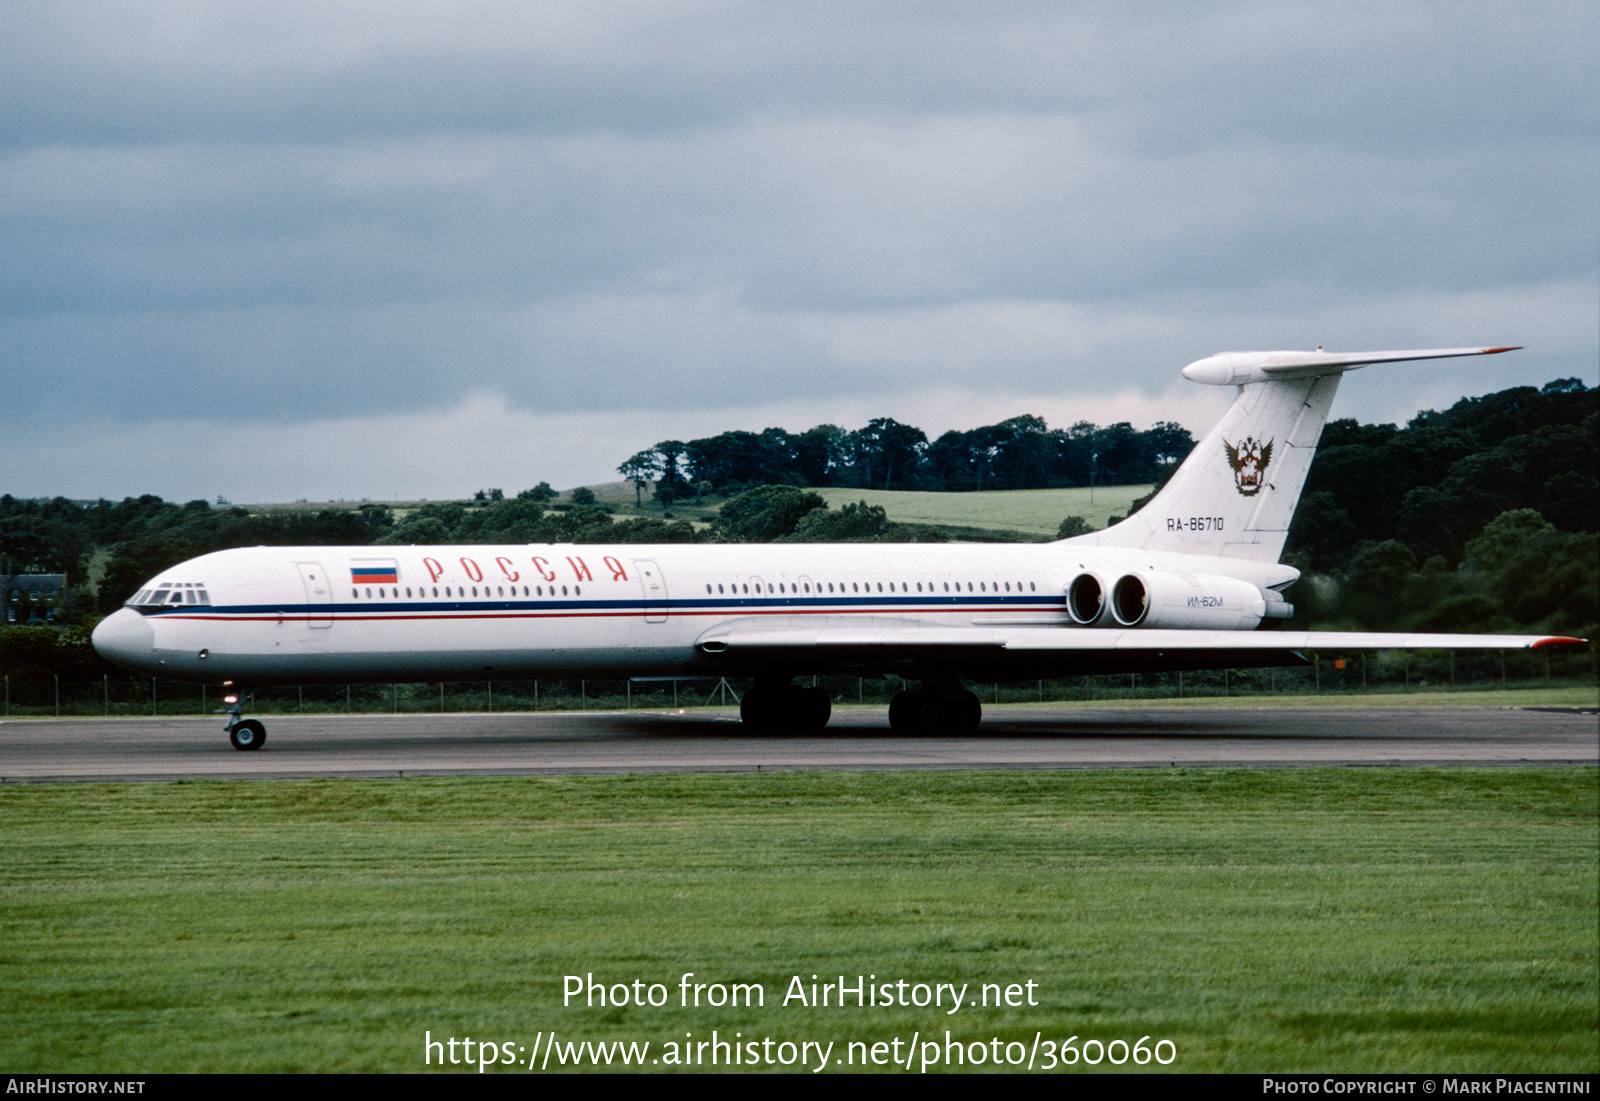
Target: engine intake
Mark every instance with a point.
(1086, 599)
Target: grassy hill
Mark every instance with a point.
(1025, 513)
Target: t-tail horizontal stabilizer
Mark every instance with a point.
(1239, 368)
(1235, 494)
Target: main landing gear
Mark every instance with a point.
(774, 706)
(940, 706)
(243, 733)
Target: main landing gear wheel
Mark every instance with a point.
(815, 708)
(247, 734)
(905, 712)
(916, 711)
(957, 715)
(785, 709)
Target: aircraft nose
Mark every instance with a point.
(125, 638)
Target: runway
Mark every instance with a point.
(615, 742)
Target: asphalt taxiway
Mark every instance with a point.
(700, 741)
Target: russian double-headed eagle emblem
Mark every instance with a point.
(1249, 459)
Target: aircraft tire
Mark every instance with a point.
(814, 708)
(971, 712)
(770, 710)
(905, 712)
(956, 716)
(247, 735)
(754, 711)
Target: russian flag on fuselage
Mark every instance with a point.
(374, 575)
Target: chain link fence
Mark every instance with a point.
(1386, 672)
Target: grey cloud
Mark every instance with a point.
(674, 353)
(815, 214)
(1414, 75)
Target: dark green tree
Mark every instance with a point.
(765, 513)
(889, 450)
(642, 468)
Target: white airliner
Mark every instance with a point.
(1188, 582)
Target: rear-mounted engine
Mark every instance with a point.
(1086, 599)
(1153, 599)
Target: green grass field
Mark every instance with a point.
(1314, 920)
(1025, 511)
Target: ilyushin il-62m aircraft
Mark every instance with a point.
(1191, 581)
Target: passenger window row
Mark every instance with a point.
(458, 592)
(739, 588)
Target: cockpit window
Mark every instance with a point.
(167, 595)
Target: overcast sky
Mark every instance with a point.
(330, 249)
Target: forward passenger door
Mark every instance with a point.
(655, 590)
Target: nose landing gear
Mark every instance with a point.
(243, 733)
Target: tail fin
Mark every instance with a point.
(1236, 493)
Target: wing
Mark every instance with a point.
(890, 643)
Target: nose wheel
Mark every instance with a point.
(248, 734)
(243, 733)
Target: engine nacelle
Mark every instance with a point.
(1155, 599)
(1086, 599)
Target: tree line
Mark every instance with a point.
(1020, 453)
(1435, 483)
(1480, 517)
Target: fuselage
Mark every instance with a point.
(286, 615)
